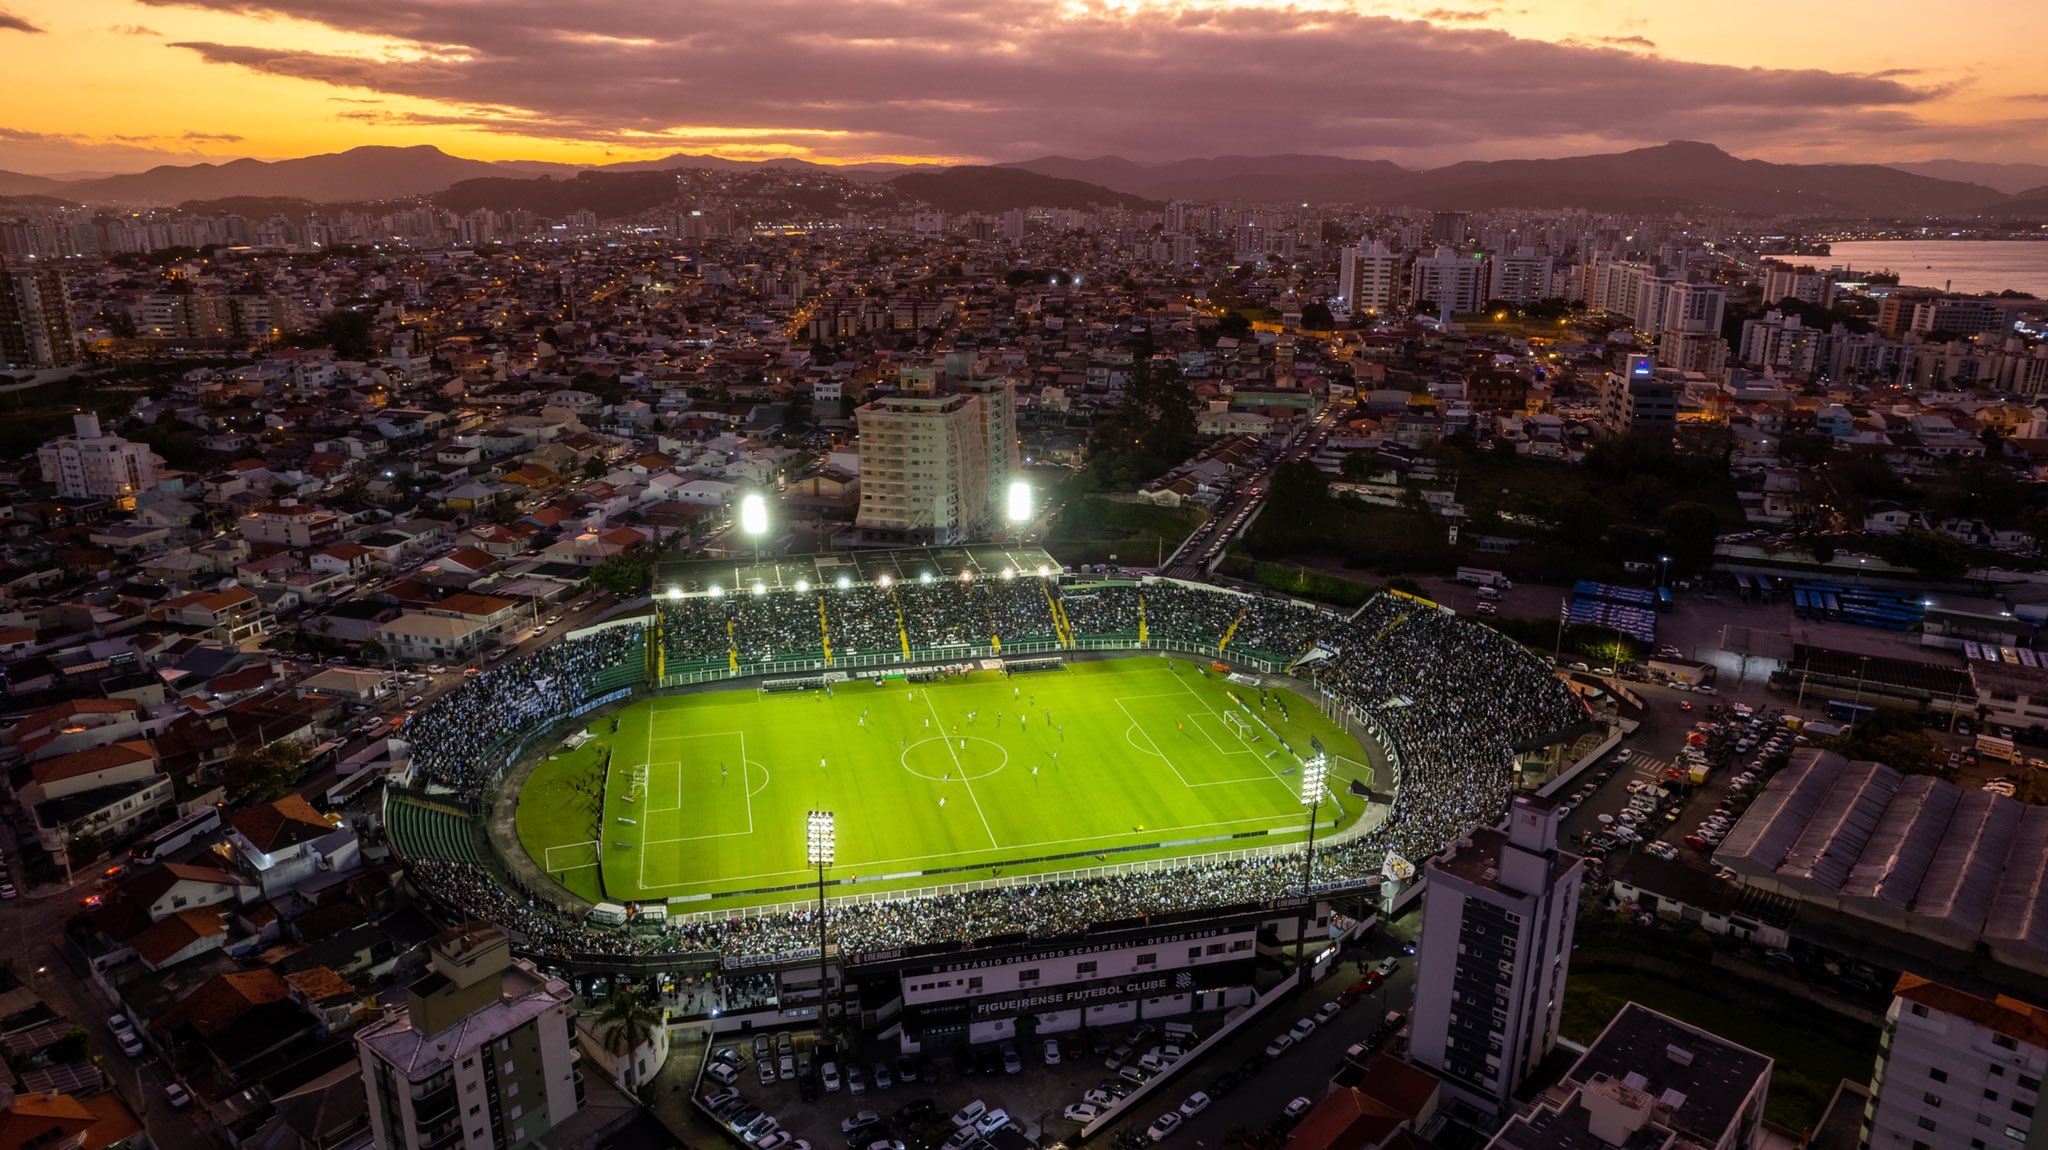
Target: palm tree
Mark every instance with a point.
(626, 1022)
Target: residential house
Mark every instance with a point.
(287, 842)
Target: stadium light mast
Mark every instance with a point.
(1314, 770)
(821, 846)
(1018, 505)
(754, 518)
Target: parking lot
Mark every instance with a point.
(1002, 1102)
(1642, 797)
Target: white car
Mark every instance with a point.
(828, 1077)
(855, 1121)
(966, 1115)
(1163, 1126)
(992, 1121)
(176, 1094)
(1298, 1107)
(721, 1072)
(1195, 1104)
(1328, 1011)
(1052, 1052)
(1083, 1112)
(1279, 1046)
(1302, 1029)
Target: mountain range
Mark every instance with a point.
(1674, 176)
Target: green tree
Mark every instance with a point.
(1689, 530)
(623, 574)
(260, 774)
(349, 333)
(372, 651)
(1894, 737)
(1579, 520)
(1931, 553)
(1315, 316)
(1356, 468)
(626, 1022)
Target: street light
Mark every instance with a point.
(1314, 770)
(821, 846)
(1662, 560)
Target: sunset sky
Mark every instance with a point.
(115, 85)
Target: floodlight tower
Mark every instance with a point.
(821, 846)
(754, 518)
(1019, 505)
(1314, 770)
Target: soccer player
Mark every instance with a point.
(942, 802)
(821, 764)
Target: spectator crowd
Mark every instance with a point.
(1448, 700)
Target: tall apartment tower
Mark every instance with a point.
(481, 1057)
(35, 324)
(89, 465)
(1457, 283)
(1518, 277)
(1497, 922)
(1369, 279)
(1957, 1070)
(936, 469)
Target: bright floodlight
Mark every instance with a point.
(716, 591)
(802, 585)
(844, 582)
(967, 576)
(760, 588)
(925, 578)
(883, 580)
(1313, 771)
(675, 592)
(820, 840)
(1019, 505)
(1043, 571)
(1008, 573)
(754, 514)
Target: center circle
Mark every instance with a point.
(955, 758)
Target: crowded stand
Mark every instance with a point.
(455, 741)
(1448, 700)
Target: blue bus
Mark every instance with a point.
(1843, 712)
(1664, 599)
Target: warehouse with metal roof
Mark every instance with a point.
(1916, 854)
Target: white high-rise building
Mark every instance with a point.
(1521, 277)
(89, 465)
(1454, 282)
(936, 469)
(1957, 1071)
(1369, 279)
(482, 1056)
(1497, 923)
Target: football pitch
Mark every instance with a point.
(706, 794)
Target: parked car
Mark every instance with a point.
(1052, 1052)
(966, 1115)
(1195, 1104)
(1280, 1045)
(1298, 1107)
(1083, 1112)
(1328, 1011)
(1163, 1126)
(1302, 1029)
(176, 1094)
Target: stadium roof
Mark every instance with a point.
(785, 572)
(1917, 853)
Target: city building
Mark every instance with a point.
(1369, 279)
(1957, 1070)
(1453, 282)
(1649, 1081)
(481, 1055)
(1519, 277)
(89, 465)
(1498, 918)
(936, 469)
(1635, 402)
(35, 323)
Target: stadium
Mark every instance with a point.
(1015, 757)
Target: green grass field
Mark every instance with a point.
(1133, 755)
